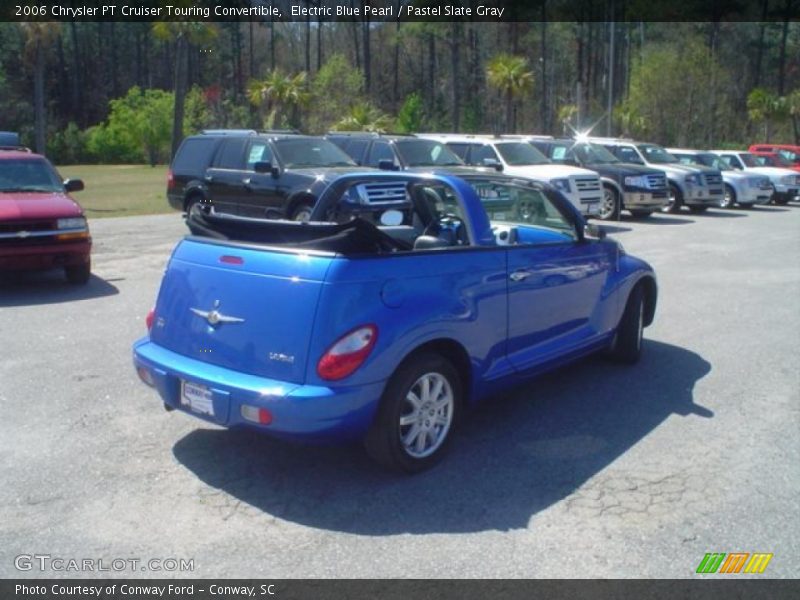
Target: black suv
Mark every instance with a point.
(397, 152)
(636, 188)
(254, 174)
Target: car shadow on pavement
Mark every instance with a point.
(767, 209)
(514, 456)
(721, 214)
(49, 287)
(663, 219)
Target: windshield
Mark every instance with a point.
(748, 159)
(774, 160)
(519, 154)
(28, 175)
(656, 154)
(704, 159)
(311, 152)
(585, 153)
(426, 153)
(790, 155)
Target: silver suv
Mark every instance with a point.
(696, 187)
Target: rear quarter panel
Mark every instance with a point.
(458, 295)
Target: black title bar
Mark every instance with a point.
(399, 10)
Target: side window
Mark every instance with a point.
(459, 149)
(629, 155)
(729, 160)
(231, 155)
(258, 152)
(380, 151)
(514, 204)
(356, 148)
(481, 152)
(194, 154)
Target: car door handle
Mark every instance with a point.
(209, 178)
(519, 275)
(246, 181)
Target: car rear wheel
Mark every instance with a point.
(729, 197)
(416, 415)
(627, 344)
(301, 212)
(675, 200)
(609, 206)
(78, 274)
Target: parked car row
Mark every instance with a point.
(281, 174)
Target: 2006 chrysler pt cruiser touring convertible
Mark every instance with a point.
(408, 297)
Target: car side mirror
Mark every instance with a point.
(73, 185)
(386, 164)
(493, 162)
(594, 230)
(263, 166)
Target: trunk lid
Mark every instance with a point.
(246, 308)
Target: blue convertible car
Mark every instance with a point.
(407, 298)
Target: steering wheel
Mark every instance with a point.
(452, 226)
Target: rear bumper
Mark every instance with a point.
(299, 412)
(45, 256)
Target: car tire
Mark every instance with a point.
(626, 347)
(675, 200)
(78, 274)
(780, 199)
(728, 197)
(413, 427)
(301, 212)
(609, 205)
(641, 214)
(698, 209)
(195, 202)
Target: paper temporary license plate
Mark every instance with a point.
(197, 397)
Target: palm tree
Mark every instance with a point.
(39, 36)
(364, 117)
(279, 92)
(184, 34)
(766, 107)
(509, 74)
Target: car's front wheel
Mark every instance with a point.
(78, 274)
(626, 346)
(417, 413)
(675, 200)
(729, 197)
(609, 206)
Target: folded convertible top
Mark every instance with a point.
(357, 236)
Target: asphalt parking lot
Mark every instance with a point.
(596, 470)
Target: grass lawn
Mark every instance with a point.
(120, 190)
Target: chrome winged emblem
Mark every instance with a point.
(214, 317)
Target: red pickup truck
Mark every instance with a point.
(41, 226)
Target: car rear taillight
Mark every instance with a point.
(170, 179)
(148, 320)
(347, 353)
